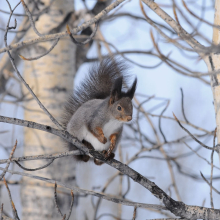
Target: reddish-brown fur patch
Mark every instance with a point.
(113, 138)
(98, 133)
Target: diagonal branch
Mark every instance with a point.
(193, 137)
(9, 161)
(22, 79)
(173, 24)
(56, 200)
(49, 37)
(15, 214)
(177, 208)
(42, 55)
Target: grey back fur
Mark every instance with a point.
(97, 85)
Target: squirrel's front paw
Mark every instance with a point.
(102, 139)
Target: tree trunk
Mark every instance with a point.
(213, 64)
(50, 77)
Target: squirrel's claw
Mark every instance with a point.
(108, 155)
(98, 162)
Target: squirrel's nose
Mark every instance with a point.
(129, 118)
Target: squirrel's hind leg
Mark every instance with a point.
(99, 162)
(84, 158)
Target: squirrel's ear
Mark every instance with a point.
(116, 90)
(131, 91)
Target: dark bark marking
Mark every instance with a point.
(213, 77)
(48, 128)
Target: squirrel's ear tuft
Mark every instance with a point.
(116, 90)
(131, 91)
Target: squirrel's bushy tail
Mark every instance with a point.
(97, 85)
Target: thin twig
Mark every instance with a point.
(44, 156)
(151, 22)
(42, 55)
(218, 192)
(173, 24)
(86, 41)
(15, 214)
(200, 155)
(31, 19)
(22, 79)
(134, 213)
(90, 192)
(64, 34)
(71, 205)
(56, 201)
(9, 161)
(211, 198)
(165, 140)
(193, 137)
(1, 211)
(128, 189)
(199, 18)
(39, 168)
(182, 105)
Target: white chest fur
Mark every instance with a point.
(108, 129)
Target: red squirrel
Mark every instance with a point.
(95, 114)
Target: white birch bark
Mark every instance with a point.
(50, 78)
(213, 63)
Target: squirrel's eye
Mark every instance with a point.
(119, 108)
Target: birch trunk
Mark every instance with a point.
(213, 63)
(50, 77)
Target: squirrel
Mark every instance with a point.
(95, 113)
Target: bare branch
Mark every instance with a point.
(86, 41)
(134, 213)
(22, 79)
(111, 198)
(15, 214)
(183, 210)
(42, 55)
(45, 156)
(56, 202)
(39, 168)
(31, 19)
(182, 105)
(183, 34)
(1, 212)
(9, 161)
(71, 205)
(193, 137)
(63, 34)
(209, 184)
(211, 198)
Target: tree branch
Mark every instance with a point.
(177, 208)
